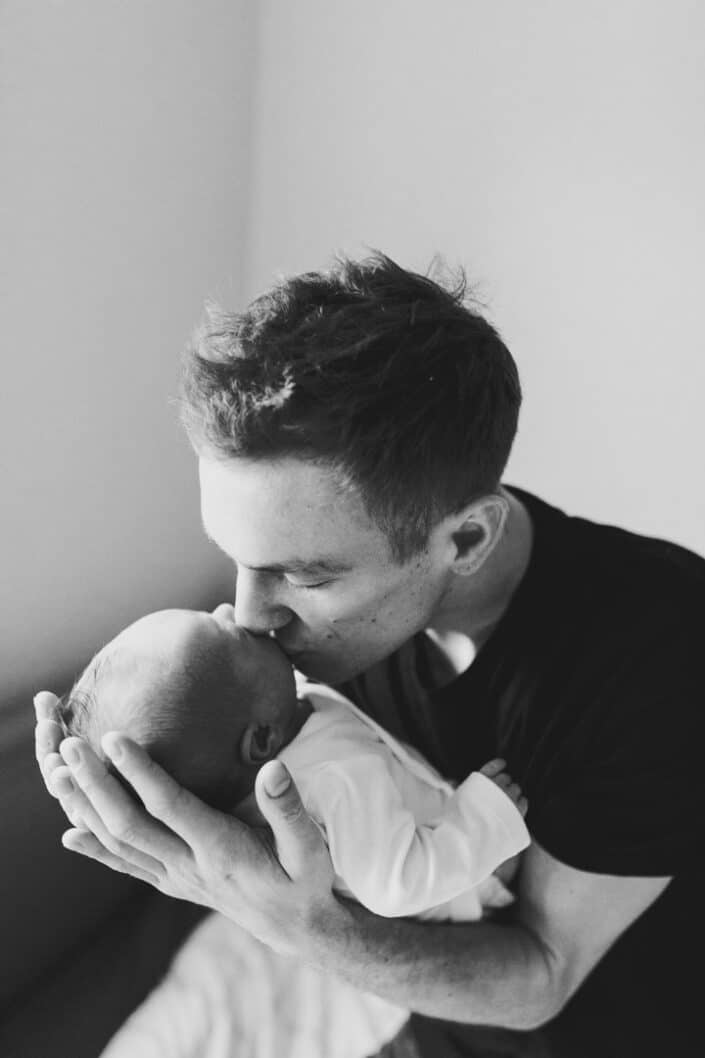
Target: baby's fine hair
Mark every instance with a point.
(169, 723)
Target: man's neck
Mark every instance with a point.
(475, 605)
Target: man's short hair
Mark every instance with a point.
(387, 376)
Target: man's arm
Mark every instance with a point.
(516, 976)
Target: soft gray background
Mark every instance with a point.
(155, 152)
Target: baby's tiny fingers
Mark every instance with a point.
(493, 767)
(523, 805)
(513, 791)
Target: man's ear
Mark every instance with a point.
(476, 531)
(260, 742)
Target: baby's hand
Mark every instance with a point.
(494, 770)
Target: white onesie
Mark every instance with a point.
(403, 841)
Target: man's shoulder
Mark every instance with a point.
(610, 560)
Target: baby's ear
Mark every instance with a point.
(259, 743)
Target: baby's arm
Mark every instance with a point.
(392, 864)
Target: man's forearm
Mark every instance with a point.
(481, 973)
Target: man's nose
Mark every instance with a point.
(257, 606)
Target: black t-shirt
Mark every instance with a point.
(591, 688)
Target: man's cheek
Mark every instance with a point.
(362, 609)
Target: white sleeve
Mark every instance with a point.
(391, 864)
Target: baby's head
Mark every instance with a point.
(208, 700)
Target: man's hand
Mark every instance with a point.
(277, 886)
(515, 975)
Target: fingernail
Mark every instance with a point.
(277, 781)
(60, 784)
(40, 709)
(112, 746)
(70, 753)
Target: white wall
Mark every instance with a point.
(124, 130)
(558, 151)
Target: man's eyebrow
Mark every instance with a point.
(305, 565)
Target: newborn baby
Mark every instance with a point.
(211, 702)
(208, 700)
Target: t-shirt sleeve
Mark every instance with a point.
(623, 794)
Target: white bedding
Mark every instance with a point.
(228, 996)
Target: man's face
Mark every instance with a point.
(313, 568)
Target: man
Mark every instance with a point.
(352, 429)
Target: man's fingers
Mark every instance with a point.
(119, 814)
(87, 844)
(60, 784)
(296, 835)
(48, 736)
(47, 766)
(81, 813)
(45, 705)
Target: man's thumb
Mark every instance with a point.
(276, 778)
(295, 833)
